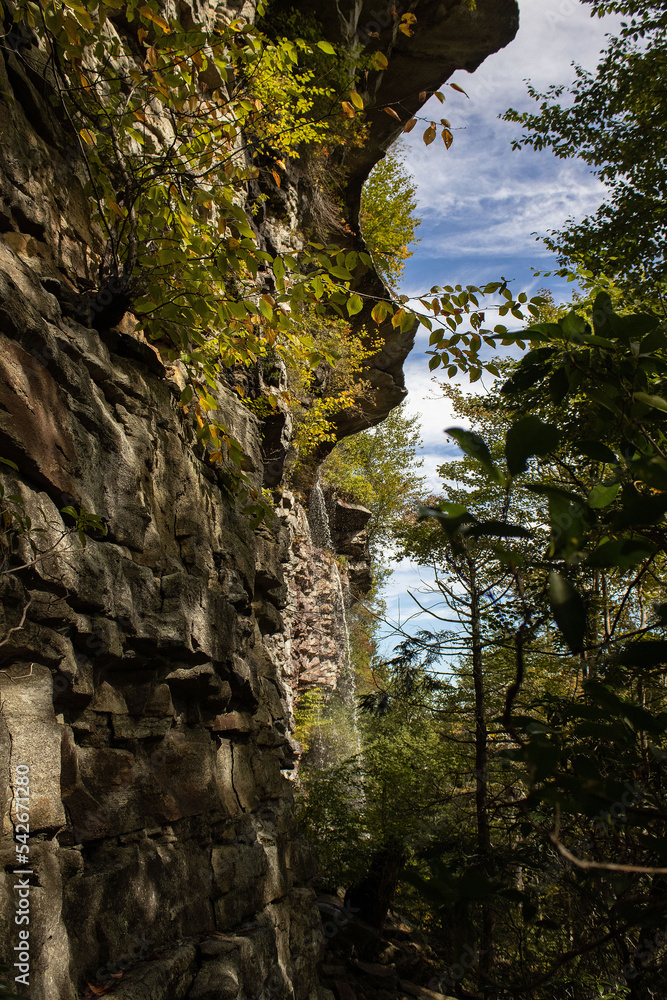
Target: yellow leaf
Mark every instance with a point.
(155, 18)
(84, 19)
(397, 318)
(151, 56)
(447, 124)
(447, 137)
(193, 100)
(455, 86)
(380, 311)
(348, 109)
(390, 111)
(409, 125)
(441, 97)
(72, 29)
(429, 135)
(380, 60)
(142, 33)
(357, 100)
(276, 177)
(88, 136)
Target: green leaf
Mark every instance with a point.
(475, 447)
(354, 305)
(657, 402)
(278, 268)
(265, 309)
(340, 272)
(498, 529)
(327, 47)
(602, 310)
(554, 492)
(527, 437)
(573, 325)
(639, 509)
(449, 509)
(568, 610)
(622, 553)
(451, 518)
(646, 653)
(12, 465)
(633, 327)
(655, 341)
(597, 451)
(601, 496)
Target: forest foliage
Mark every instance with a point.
(387, 218)
(536, 688)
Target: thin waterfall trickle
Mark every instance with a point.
(318, 518)
(320, 527)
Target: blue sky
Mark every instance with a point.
(481, 202)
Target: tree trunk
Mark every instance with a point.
(369, 900)
(481, 771)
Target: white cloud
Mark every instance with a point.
(481, 198)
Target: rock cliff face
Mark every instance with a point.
(148, 678)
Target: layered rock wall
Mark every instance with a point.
(148, 676)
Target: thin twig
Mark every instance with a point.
(16, 628)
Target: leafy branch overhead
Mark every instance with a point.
(431, 132)
(180, 131)
(610, 367)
